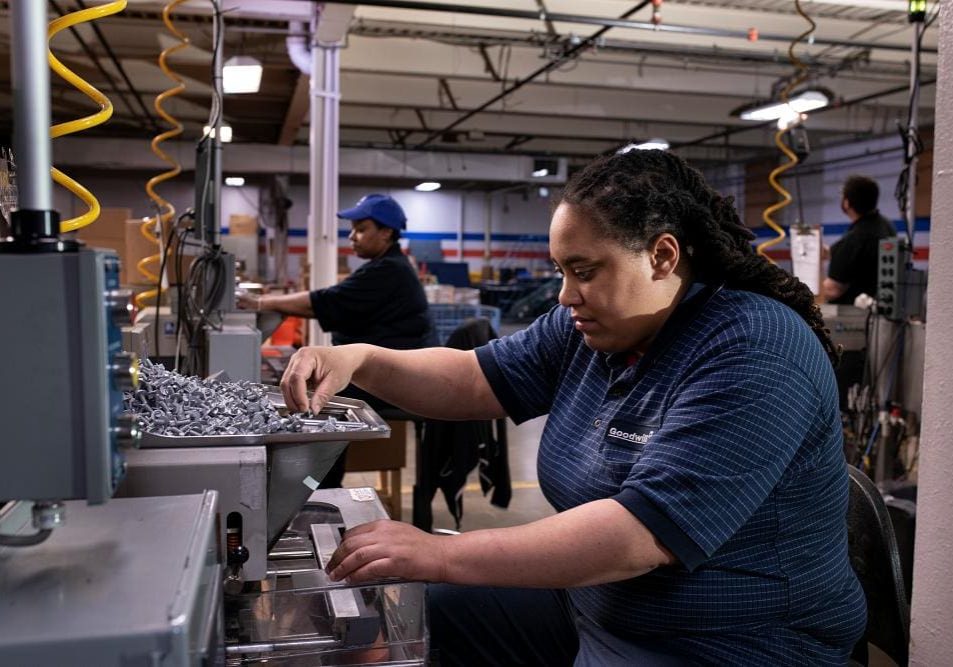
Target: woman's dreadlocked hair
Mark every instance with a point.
(635, 196)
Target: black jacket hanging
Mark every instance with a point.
(450, 450)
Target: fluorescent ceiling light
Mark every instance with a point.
(540, 173)
(427, 186)
(809, 100)
(241, 74)
(235, 181)
(650, 145)
(226, 132)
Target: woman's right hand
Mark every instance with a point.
(246, 301)
(326, 370)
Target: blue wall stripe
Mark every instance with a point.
(921, 225)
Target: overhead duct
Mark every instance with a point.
(299, 48)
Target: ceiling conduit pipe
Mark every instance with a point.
(569, 55)
(609, 22)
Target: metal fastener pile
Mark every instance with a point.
(169, 403)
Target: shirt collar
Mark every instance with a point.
(691, 304)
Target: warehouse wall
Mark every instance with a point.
(817, 190)
(519, 218)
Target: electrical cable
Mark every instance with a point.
(909, 136)
(800, 76)
(24, 540)
(151, 229)
(79, 124)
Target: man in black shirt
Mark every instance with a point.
(381, 303)
(853, 266)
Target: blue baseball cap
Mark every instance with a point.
(382, 209)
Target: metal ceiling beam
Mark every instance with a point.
(606, 22)
(481, 37)
(297, 110)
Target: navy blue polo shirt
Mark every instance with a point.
(381, 303)
(724, 439)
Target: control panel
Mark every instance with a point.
(900, 287)
(64, 372)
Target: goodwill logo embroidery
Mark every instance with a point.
(631, 436)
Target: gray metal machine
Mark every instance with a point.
(62, 404)
(262, 480)
(136, 581)
(128, 582)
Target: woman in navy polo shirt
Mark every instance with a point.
(692, 450)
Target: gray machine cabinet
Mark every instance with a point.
(134, 582)
(239, 474)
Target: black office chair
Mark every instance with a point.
(873, 552)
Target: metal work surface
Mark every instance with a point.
(134, 581)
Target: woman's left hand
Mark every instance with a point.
(388, 548)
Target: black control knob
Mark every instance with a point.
(119, 306)
(127, 431)
(124, 371)
(238, 555)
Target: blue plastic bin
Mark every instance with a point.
(448, 316)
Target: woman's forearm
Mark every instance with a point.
(594, 543)
(297, 304)
(442, 383)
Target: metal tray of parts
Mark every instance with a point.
(358, 419)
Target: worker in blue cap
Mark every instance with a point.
(381, 303)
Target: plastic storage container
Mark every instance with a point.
(448, 316)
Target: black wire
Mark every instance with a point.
(910, 138)
(165, 255)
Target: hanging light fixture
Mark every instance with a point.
(799, 103)
(241, 74)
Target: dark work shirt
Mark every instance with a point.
(854, 256)
(724, 439)
(381, 303)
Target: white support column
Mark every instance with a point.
(322, 219)
(461, 226)
(931, 641)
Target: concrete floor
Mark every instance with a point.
(526, 505)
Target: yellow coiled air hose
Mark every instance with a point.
(152, 228)
(101, 116)
(799, 77)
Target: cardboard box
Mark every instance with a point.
(387, 454)
(242, 225)
(109, 231)
(137, 247)
(111, 224)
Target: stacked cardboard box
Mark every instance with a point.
(109, 231)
